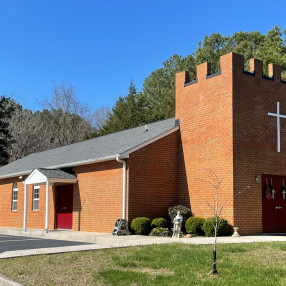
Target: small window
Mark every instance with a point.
(14, 197)
(36, 193)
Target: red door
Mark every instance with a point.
(64, 206)
(273, 204)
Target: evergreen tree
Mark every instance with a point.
(272, 50)
(126, 113)
(159, 87)
(6, 110)
(157, 99)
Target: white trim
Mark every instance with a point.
(36, 187)
(103, 159)
(123, 187)
(15, 189)
(37, 178)
(47, 208)
(84, 162)
(25, 207)
(154, 139)
(278, 115)
(71, 164)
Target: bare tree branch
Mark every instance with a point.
(215, 208)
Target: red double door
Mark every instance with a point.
(273, 204)
(64, 206)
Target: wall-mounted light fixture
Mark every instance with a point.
(257, 179)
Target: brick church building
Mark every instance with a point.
(232, 122)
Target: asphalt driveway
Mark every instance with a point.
(14, 243)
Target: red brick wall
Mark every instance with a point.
(96, 206)
(225, 125)
(255, 139)
(97, 202)
(36, 219)
(153, 178)
(204, 109)
(9, 218)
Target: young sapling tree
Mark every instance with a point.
(217, 207)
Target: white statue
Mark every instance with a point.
(178, 220)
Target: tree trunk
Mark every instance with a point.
(214, 271)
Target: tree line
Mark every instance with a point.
(156, 101)
(63, 120)
(23, 132)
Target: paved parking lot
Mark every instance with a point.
(14, 243)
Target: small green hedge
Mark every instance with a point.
(194, 225)
(160, 231)
(159, 222)
(223, 228)
(141, 225)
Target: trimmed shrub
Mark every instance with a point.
(141, 225)
(159, 222)
(223, 227)
(194, 225)
(160, 231)
(185, 213)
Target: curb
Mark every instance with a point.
(7, 282)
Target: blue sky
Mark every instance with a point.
(98, 46)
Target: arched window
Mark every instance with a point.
(14, 197)
(36, 194)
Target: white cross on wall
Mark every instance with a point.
(278, 115)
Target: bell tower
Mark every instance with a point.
(231, 122)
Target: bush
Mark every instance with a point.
(222, 229)
(185, 213)
(194, 225)
(141, 225)
(159, 222)
(160, 231)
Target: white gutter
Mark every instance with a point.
(71, 164)
(124, 186)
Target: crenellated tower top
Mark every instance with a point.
(234, 63)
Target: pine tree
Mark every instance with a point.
(6, 110)
(126, 112)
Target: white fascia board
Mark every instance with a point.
(36, 177)
(16, 174)
(71, 164)
(125, 154)
(84, 162)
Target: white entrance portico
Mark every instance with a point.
(48, 177)
(278, 115)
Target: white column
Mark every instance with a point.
(124, 186)
(47, 207)
(124, 191)
(25, 207)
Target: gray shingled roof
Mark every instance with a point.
(97, 149)
(55, 174)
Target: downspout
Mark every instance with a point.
(124, 186)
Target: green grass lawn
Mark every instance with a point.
(172, 264)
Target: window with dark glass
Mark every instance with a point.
(14, 197)
(36, 193)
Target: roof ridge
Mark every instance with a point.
(85, 152)
(117, 132)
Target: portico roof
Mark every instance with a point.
(41, 176)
